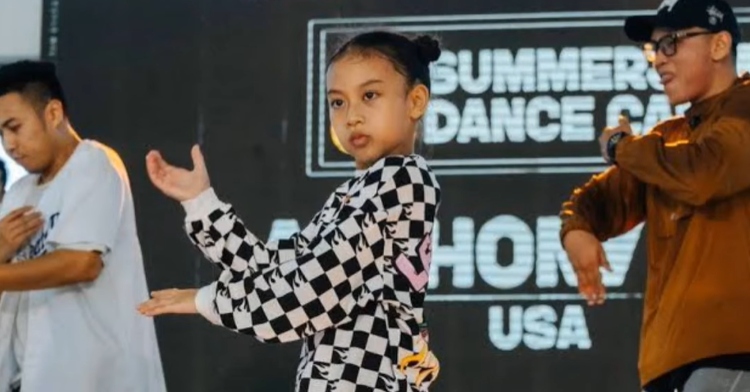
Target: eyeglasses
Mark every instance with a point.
(668, 44)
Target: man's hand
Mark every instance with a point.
(623, 126)
(586, 254)
(176, 182)
(16, 229)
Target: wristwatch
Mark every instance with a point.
(612, 145)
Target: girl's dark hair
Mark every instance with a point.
(410, 57)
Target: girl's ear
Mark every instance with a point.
(418, 99)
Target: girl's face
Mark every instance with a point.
(372, 110)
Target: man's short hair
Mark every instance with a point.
(36, 81)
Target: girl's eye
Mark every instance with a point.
(336, 103)
(370, 95)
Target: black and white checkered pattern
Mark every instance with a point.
(351, 284)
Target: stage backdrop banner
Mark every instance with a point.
(520, 95)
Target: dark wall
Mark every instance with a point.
(233, 75)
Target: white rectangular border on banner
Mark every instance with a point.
(315, 134)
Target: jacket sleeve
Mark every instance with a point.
(216, 230)
(714, 166)
(336, 273)
(608, 205)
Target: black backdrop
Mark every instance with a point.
(234, 75)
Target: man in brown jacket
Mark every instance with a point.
(689, 180)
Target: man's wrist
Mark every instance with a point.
(573, 224)
(6, 254)
(612, 146)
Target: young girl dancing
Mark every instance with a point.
(352, 283)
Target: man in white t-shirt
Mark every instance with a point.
(71, 270)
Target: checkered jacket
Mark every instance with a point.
(351, 285)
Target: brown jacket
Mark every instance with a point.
(692, 188)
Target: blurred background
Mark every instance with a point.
(519, 96)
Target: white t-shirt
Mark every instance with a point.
(84, 337)
(20, 326)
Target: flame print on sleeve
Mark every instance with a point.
(424, 362)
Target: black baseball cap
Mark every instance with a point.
(712, 15)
